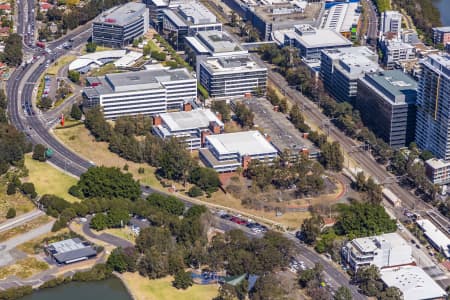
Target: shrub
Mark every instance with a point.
(195, 191)
(11, 213)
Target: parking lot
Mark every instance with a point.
(251, 225)
(282, 133)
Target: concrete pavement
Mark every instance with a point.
(20, 220)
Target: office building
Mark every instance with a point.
(413, 282)
(341, 68)
(343, 17)
(391, 22)
(210, 43)
(187, 19)
(438, 171)
(191, 126)
(70, 251)
(396, 52)
(311, 41)
(120, 25)
(386, 101)
(155, 9)
(384, 251)
(435, 236)
(232, 76)
(441, 35)
(433, 106)
(229, 151)
(146, 92)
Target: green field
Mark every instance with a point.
(49, 180)
(161, 289)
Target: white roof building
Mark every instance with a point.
(383, 251)
(414, 283)
(227, 152)
(341, 17)
(96, 59)
(437, 238)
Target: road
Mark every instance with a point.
(20, 220)
(372, 30)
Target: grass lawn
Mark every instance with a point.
(98, 49)
(161, 289)
(103, 70)
(54, 182)
(33, 224)
(31, 246)
(123, 233)
(20, 202)
(80, 141)
(24, 268)
(66, 59)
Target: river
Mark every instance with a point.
(444, 8)
(111, 289)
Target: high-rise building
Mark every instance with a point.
(391, 21)
(120, 25)
(433, 106)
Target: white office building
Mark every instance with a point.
(413, 282)
(396, 52)
(436, 237)
(186, 19)
(438, 171)
(311, 41)
(232, 76)
(341, 68)
(229, 151)
(146, 92)
(120, 25)
(391, 21)
(190, 126)
(433, 106)
(384, 251)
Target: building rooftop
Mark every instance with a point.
(218, 41)
(71, 249)
(238, 63)
(414, 283)
(186, 120)
(435, 235)
(442, 29)
(436, 163)
(190, 13)
(134, 81)
(354, 61)
(388, 240)
(244, 143)
(310, 37)
(361, 51)
(396, 86)
(341, 17)
(395, 44)
(122, 15)
(439, 62)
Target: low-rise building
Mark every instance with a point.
(413, 282)
(387, 103)
(148, 92)
(186, 19)
(232, 76)
(311, 41)
(391, 22)
(341, 68)
(120, 25)
(343, 17)
(436, 237)
(229, 151)
(384, 251)
(438, 171)
(70, 251)
(192, 126)
(396, 52)
(441, 35)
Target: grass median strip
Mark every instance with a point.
(24, 268)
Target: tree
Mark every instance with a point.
(343, 293)
(13, 50)
(182, 280)
(234, 20)
(29, 189)
(11, 188)
(91, 47)
(195, 191)
(39, 153)
(74, 76)
(174, 161)
(391, 293)
(267, 287)
(311, 228)
(11, 213)
(108, 183)
(117, 261)
(223, 109)
(245, 116)
(75, 112)
(99, 222)
(368, 280)
(205, 178)
(311, 277)
(332, 157)
(169, 204)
